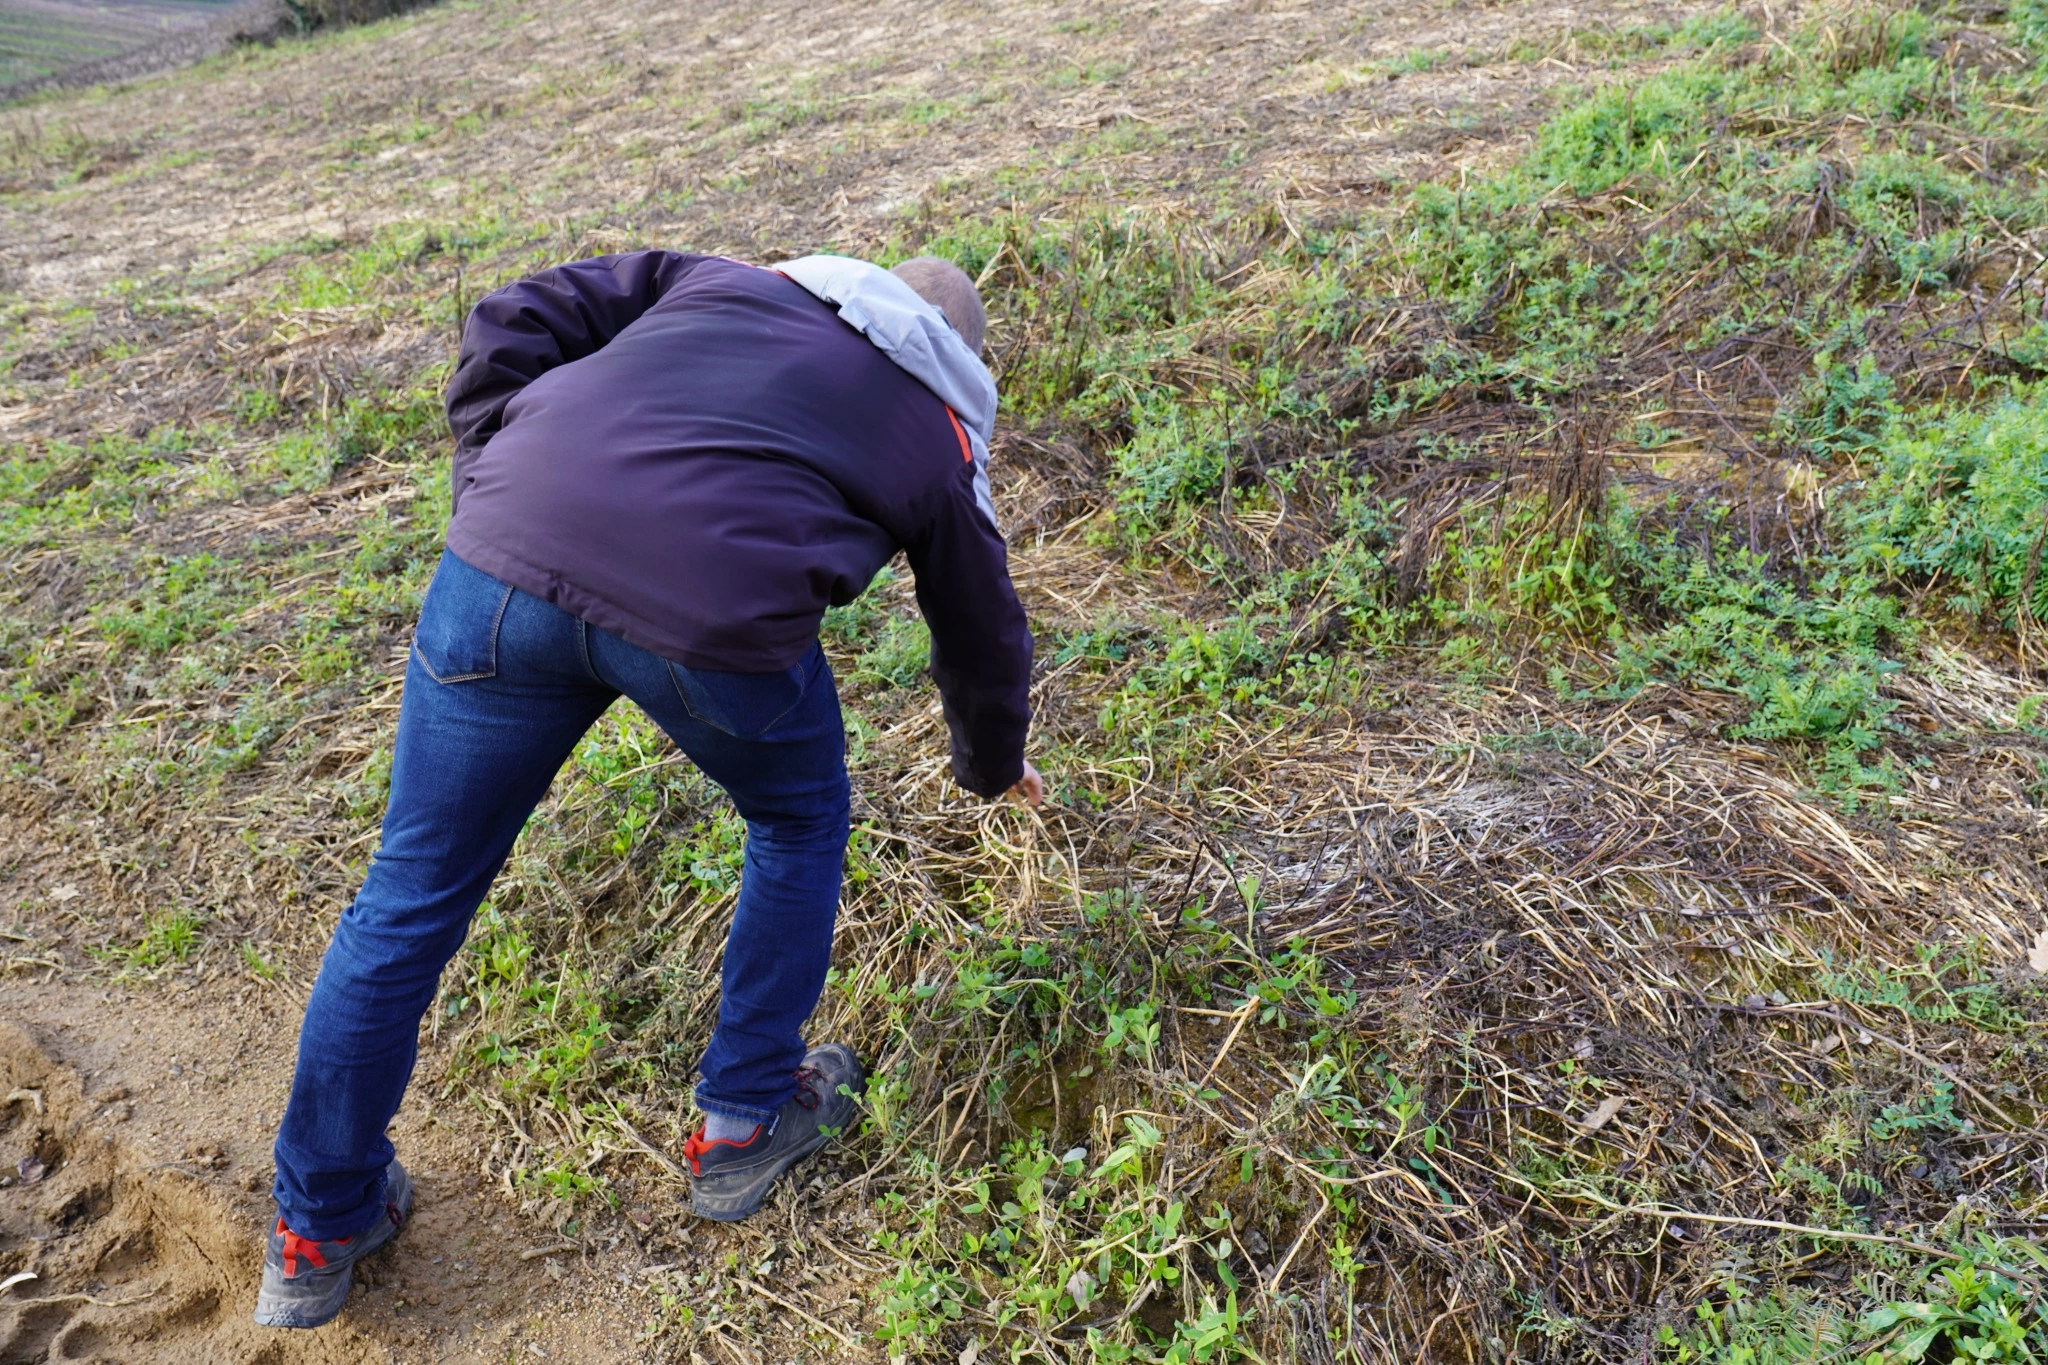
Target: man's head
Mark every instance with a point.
(946, 287)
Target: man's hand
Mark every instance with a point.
(1030, 788)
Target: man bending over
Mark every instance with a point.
(666, 468)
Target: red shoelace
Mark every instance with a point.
(808, 1078)
(696, 1146)
(296, 1246)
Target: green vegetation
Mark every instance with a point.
(1955, 504)
(169, 937)
(1535, 688)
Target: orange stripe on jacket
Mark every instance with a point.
(966, 449)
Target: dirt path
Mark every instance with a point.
(134, 1150)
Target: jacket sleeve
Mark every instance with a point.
(981, 647)
(527, 328)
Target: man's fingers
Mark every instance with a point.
(1030, 788)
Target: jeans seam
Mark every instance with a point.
(675, 682)
(583, 649)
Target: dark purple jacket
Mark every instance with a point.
(700, 457)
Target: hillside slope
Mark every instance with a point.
(1532, 519)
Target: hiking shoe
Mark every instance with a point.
(305, 1282)
(729, 1180)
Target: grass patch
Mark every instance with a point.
(169, 938)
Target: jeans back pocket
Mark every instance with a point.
(743, 705)
(457, 637)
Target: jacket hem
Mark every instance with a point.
(588, 606)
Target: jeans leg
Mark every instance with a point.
(789, 784)
(473, 756)
(776, 956)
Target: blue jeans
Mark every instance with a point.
(499, 688)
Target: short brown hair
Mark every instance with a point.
(946, 287)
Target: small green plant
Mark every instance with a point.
(916, 1302)
(181, 601)
(1655, 127)
(564, 1184)
(1941, 984)
(1957, 499)
(168, 938)
(1215, 1334)
(540, 1029)
(1141, 1135)
(1745, 1327)
(897, 653)
(1134, 1031)
(257, 965)
(1977, 1312)
(708, 858)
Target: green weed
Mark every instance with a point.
(180, 601)
(1955, 503)
(258, 965)
(169, 938)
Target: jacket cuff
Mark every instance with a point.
(988, 783)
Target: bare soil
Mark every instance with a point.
(135, 1129)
